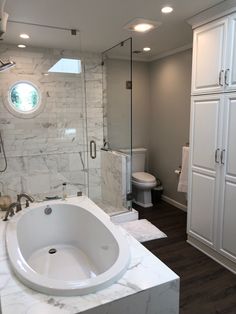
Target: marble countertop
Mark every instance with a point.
(144, 272)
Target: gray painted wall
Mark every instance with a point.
(170, 79)
(141, 104)
(161, 112)
(118, 100)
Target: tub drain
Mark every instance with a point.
(52, 251)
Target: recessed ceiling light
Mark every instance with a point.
(143, 27)
(24, 36)
(21, 46)
(146, 49)
(167, 10)
(46, 74)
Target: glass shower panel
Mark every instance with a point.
(48, 148)
(93, 91)
(109, 126)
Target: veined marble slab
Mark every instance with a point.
(148, 287)
(113, 179)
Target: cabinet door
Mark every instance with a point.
(228, 202)
(209, 47)
(230, 71)
(204, 165)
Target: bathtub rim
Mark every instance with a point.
(51, 286)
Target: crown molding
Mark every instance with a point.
(219, 10)
(170, 52)
(155, 57)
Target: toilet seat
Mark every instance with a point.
(142, 183)
(143, 177)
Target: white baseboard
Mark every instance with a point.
(174, 203)
(212, 254)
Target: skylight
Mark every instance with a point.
(66, 66)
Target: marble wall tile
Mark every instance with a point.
(37, 184)
(113, 179)
(45, 151)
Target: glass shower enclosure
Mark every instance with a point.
(109, 135)
(82, 134)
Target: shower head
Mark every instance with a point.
(6, 65)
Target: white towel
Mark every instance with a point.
(183, 179)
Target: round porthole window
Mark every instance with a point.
(24, 97)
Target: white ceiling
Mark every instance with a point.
(101, 23)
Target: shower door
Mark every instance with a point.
(108, 87)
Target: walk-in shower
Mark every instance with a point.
(77, 113)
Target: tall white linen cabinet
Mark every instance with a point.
(212, 177)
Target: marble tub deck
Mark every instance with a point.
(148, 287)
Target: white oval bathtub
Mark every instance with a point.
(72, 251)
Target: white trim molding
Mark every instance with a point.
(141, 58)
(174, 203)
(217, 11)
(210, 252)
(170, 52)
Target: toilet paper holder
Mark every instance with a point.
(178, 171)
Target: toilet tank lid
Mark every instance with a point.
(143, 177)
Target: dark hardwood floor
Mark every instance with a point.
(205, 286)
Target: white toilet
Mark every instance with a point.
(142, 182)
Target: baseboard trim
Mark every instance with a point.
(174, 203)
(217, 257)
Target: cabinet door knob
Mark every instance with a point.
(217, 156)
(227, 77)
(220, 78)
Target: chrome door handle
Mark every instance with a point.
(93, 149)
(217, 156)
(220, 78)
(227, 77)
(222, 157)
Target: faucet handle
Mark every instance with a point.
(10, 210)
(11, 213)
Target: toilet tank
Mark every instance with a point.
(138, 159)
